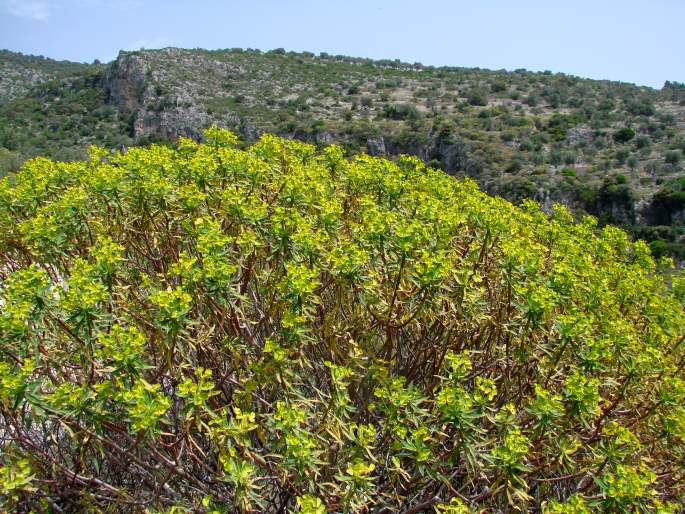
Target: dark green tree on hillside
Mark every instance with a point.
(624, 135)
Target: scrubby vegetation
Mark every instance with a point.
(19, 72)
(209, 329)
(60, 119)
(510, 131)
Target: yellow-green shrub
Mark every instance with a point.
(278, 328)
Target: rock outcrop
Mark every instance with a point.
(125, 82)
(159, 107)
(376, 147)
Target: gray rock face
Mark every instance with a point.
(453, 157)
(543, 196)
(579, 134)
(324, 138)
(376, 147)
(158, 107)
(248, 131)
(125, 82)
(641, 212)
(173, 123)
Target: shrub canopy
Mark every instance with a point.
(212, 329)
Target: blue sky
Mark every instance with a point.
(629, 40)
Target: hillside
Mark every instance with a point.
(271, 328)
(611, 149)
(19, 72)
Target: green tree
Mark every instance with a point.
(624, 135)
(673, 157)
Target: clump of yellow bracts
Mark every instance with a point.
(210, 329)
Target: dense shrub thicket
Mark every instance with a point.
(209, 329)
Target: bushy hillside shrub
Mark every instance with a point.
(207, 329)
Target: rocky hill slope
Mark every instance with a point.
(19, 73)
(611, 149)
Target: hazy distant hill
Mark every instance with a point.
(608, 148)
